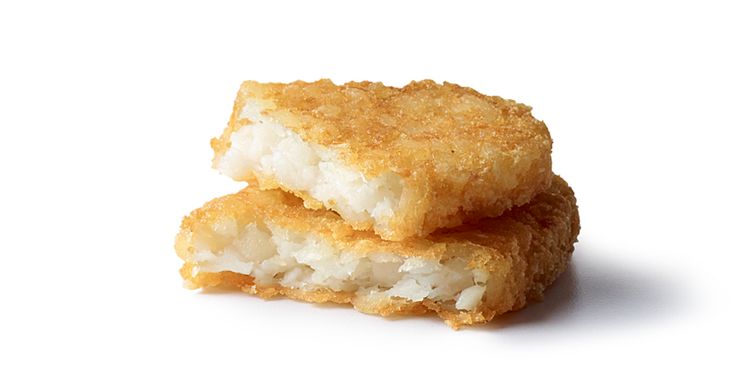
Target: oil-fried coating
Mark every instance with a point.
(523, 251)
(461, 155)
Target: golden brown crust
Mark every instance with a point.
(462, 155)
(525, 249)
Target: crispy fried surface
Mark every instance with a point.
(525, 250)
(462, 155)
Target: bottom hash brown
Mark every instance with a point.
(267, 244)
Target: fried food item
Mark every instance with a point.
(266, 243)
(400, 161)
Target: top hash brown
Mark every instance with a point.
(458, 155)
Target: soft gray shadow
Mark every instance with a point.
(598, 293)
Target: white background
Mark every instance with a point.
(106, 112)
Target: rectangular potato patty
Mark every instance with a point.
(400, 161)
(267, 243)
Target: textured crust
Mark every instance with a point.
(525, 250)
(462, 155)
